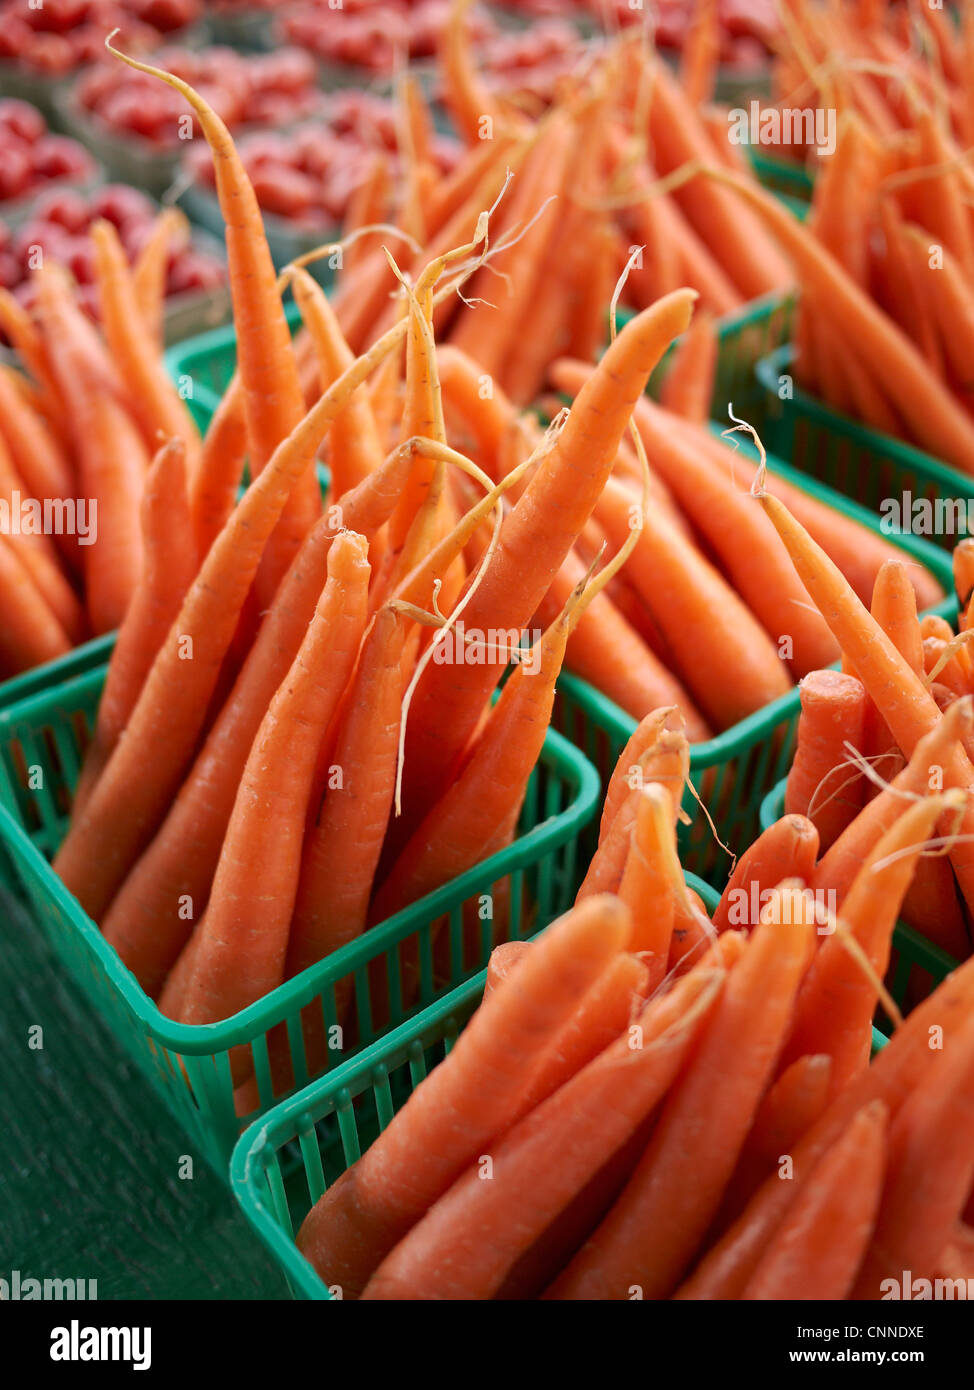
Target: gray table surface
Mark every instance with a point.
(89, 1159)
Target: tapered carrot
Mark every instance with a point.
(689, 382)
(838, 998)
(463, 1104)
(963, 562)
(899, 694)
(606, 650)
(157, 406)
(658, 1221)
(895, 1072)
(368, 204)
(728, 661)
(816, 1251)
(700, 54)
(821, 783)
(475, 111)
(36, 453)
(752, 259)
(630, 768)
(149, 271)
(895, 609)
(489, 787)
(111, 455)
(272, 391)
(504, 960)
(354, 448)
(645, 886)
(930, 1166)
(787, 849)
(535, 538)
(242, 941)
(214, 483)
(156, 907)
(546, 1160)
(484, 409)
(790, 1106)
(30, 634)
(168, 568)
(937, 420)
(343, 844)
(667, 764)
(55, 589)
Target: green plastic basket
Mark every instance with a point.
(286, 1160)
(857, 461)
(916, 965)
(734, 771)
(189, 1065)
(783, 176)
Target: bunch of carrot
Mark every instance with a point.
(78, 430)
(604, 170)
(233, 822)
(653, 1104)
(884, 62)
(850, 773)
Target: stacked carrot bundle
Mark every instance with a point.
(652, 1105)
(276, 647)
(587, 193)
(76, 442)
(885, 327)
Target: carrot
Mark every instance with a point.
(475, 112)
(900, 696)
(151, 917)
(29, 634)
(606, 1010)
(658, 1221)
(700, 54)
(817, 1250)
(480, 403)
(367, 205)
(605, 648)
(149, 271)
(790, 1106)
(127, 801)
(168, 569)
(541, 1164)
(689, 382)
(242, 941)
(963, 563)
(821, 783)
(630, 768)
(462, 1105)
(214, 483)
(273, 402)
(787, 849)
(729, 663)
(895, 1072)
(645, 887)
(929, 1171)
(156, 405)
(894, 607)
(534, 540)
(354, 448)
(342, 847)
(489, 787)
(838, 999)
(35, 450)
(747, 253)
(111, 455)
(28, 342)
(504, 960)
(667, 763)
(54, 588)
(934, 415)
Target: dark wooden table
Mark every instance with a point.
(89, 1159)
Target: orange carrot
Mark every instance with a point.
(242, 941)
(504, 960)
(689, 382)
(821, 783)
(816, 1251)
(541, 1164)
(149, 271)
(462, 1105)
(168, 569)
(787, 849)
(30, 634)
(658, 1221)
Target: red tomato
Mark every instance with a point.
(49, 53)
(21, 119)
(15, 170)
(118, 203)
(9, 270)
(67, 209)
(284, 192)
(59, 157)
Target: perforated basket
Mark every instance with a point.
(447, 935)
